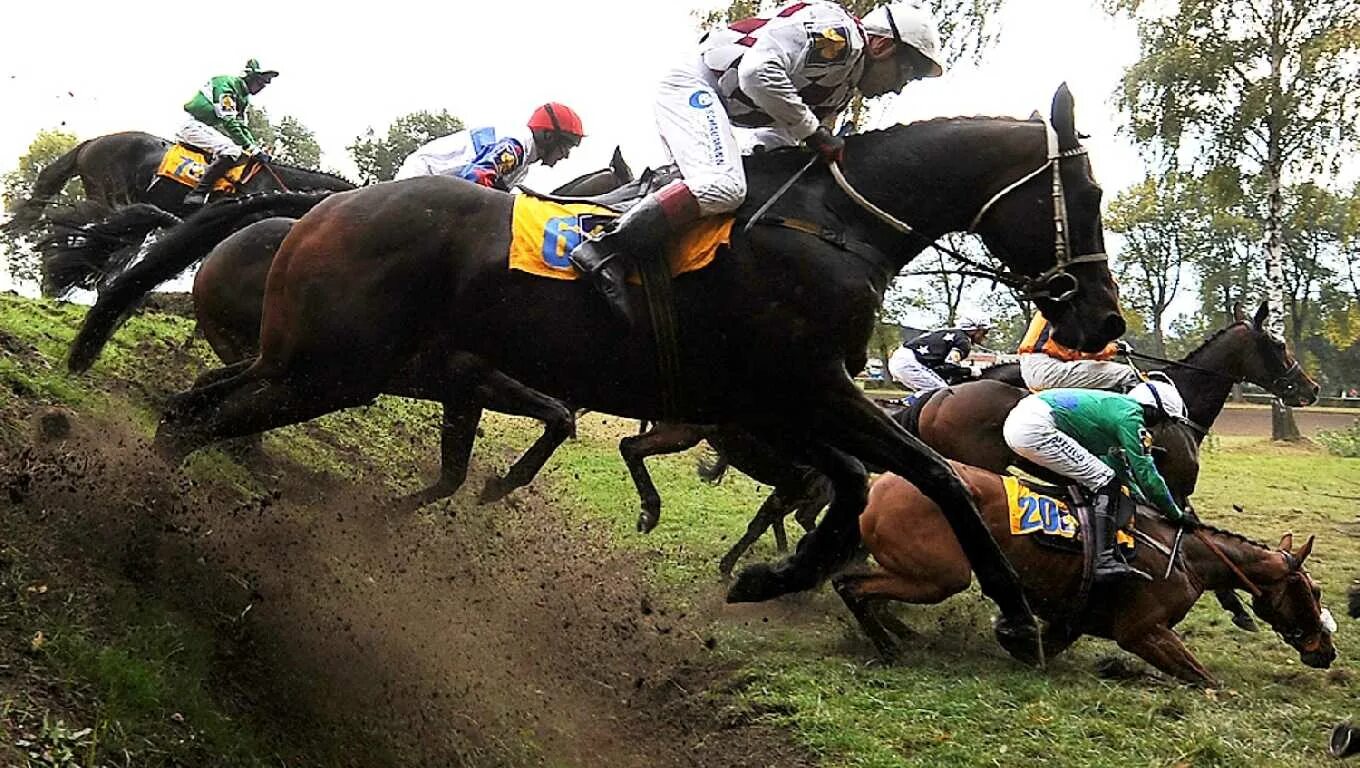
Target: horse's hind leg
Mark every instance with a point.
(661, 438)
(245, 404)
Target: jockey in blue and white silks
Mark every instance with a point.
(499, 158)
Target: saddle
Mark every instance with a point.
(622, 198)
(185, 164)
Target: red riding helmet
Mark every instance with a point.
(558, 118)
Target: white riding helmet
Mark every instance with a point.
(974, 324)
(908, 24)
(1161, 395)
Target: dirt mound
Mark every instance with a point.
(510, 634)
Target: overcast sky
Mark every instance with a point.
(98, 67)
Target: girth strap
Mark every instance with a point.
(858, 248)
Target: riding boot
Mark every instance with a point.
(640, 233)
(1104, 513)
(216, 170)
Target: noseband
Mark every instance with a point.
(1029, 287)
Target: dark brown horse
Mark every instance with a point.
(120, 169)
(228, 296)
(920, 562)
(388, 280)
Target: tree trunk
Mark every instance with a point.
(1282, 423)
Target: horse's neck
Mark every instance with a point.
(1205, 393)
(1260, 564)
(300, 178)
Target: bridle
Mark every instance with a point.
(1029, 287)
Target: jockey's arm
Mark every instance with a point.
(763, 75)
(1135, 441)
(231, 115)
(492, 167)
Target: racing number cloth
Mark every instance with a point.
(544, 232)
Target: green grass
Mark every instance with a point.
(956, 699)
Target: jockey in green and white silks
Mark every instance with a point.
(1100, 440)
(217, 123)
(790, 72)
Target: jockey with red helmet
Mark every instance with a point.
(793, 72)
(499, 159)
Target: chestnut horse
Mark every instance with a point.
(920, 562)
(388, 280)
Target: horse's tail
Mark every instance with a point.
(49, 182)
(712, 466)
(174, 252)
(81, 254)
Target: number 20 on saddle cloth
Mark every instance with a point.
(545, 231)
(185, 165)
(1050, 518)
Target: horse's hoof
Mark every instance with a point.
(1244, 622)
(647, 521)
(1021, 639)
(493, 491)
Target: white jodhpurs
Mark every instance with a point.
(1031, 432)
(911, 373)
(1043, 372)
(698, 135)
(204, 136)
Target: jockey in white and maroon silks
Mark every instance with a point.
(791, 74)
(499, 158)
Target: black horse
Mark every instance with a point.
(382, 280)
(120, 169)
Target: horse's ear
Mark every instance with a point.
(1239, 316)
(1304, 551)
(1287, 542)
(620, 166)
(1262, 313)
(1064, 120)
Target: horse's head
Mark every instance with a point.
(1049, 229)
(1266, 362)
(1292, 605)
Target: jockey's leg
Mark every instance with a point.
(1031, 432)
(225, 154)
(1042, 372)
(698, 135)
(907, 370)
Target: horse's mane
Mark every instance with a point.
(794, 157)
(1232, 535)
(327, 174)
(1212, 338)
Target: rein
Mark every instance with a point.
(1029, 287)
(1208, 542)
(1276, 383)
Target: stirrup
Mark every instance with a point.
(1108, 567)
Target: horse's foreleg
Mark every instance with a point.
(506, 395)
(457, 432)
(857, 591)
(771, 512)
(851, 422)
(1241, 617)
(1163, 649)
(661, 438)
(781, 536)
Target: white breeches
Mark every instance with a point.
(204, 136)
(911, 373)
(1042, 372)
(698, 135)
(1031, 432)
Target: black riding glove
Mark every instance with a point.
(829, 147)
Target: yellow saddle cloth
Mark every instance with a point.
(186, 166)
(1033, 512)
(543, 232)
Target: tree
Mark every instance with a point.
(289, 141)
(1266, 86)
(379, 159)
(1159, 240)
(46, 147)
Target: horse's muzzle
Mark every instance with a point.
(1319, 659)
